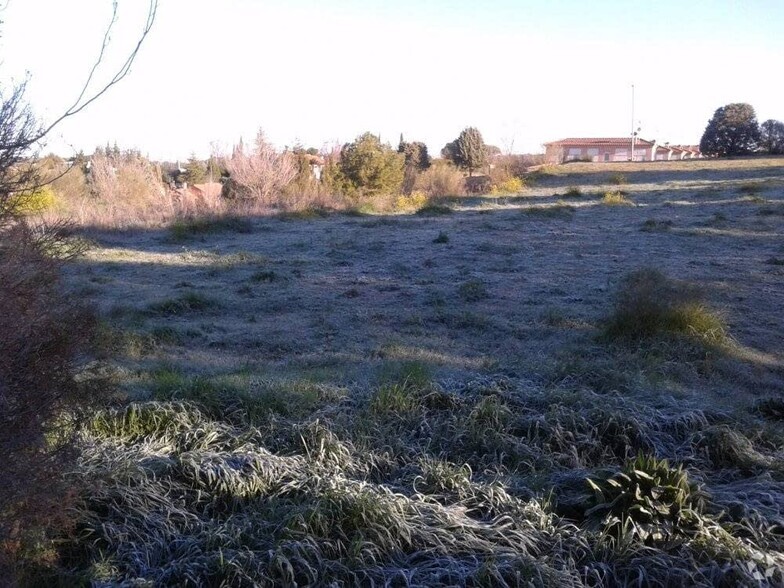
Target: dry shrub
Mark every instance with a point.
(41, 334)
(258, 175)
(441, 180)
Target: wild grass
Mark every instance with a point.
(410, 478)
(653, 225)
(615, 198)
(555, 212)
(189, 228)
(191, 302)
(649, 305)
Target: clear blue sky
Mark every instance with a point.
(321, 72)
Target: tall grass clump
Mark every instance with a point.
(616, 198)
(648, 304)
(441, 180)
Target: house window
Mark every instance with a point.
(574, 153)
(621, 155)
(593, 154)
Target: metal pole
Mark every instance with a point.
(633, 134)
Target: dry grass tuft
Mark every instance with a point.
(650, 305)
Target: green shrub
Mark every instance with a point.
(573, 192)
(371, 168)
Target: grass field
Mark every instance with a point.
(495, 395)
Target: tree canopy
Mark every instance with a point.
(733, 130)
(468, 151)
(370, 167)
(772, 136)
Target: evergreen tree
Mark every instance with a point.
(772, 137)
(733, 130)
(468, 151)
(195, 171)
(369, 167)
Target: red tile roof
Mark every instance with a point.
(601, 141)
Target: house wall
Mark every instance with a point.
(610, 152)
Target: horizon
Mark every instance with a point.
(318, 74)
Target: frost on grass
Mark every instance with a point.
(484, 483)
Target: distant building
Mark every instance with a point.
(616, 149)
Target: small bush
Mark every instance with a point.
(183, 229)
(414, 201)
(557, 211)
(264, 276)
(573, 192)
(473, 290)
(508, 187)
(618, 179)
(35, 202)
(751, 188)
(653, 225)
(441, 180)
(442, 238)
(648, 304)
(616, 198)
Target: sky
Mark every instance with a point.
(321, 72)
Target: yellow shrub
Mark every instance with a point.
(414, 201)
(36, 202)
(507, 187)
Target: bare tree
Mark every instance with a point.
(41, 331)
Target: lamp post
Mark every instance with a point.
(634, 134)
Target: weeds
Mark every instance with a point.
(441, 238)
(616, 198)
(649, 305)
(187, 303)
(557, 211)
(573, 192)
(189, 228)
(653, 225)
(473, 290)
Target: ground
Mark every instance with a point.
(464, 340)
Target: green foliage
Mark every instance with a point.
(468, 151)
(648, 500)
(415, 154)
(648, 304)
(772, 136)
(733, 130)
(370, 168)
(195, 171)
